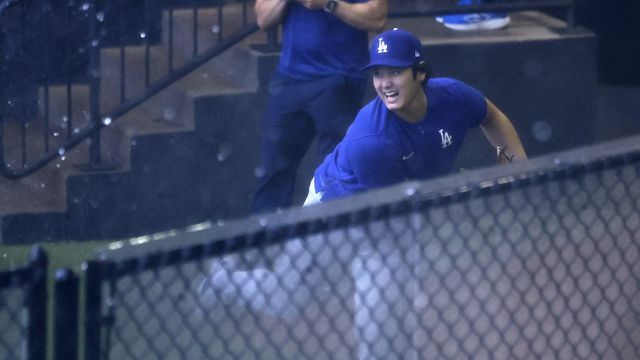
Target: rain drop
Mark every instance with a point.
(215, 29)
(143, 34)
(259, 172)
(169, 113)
(95, 43)
(85, 6)
(100, 16)
(55, 134)
(106, 121)
(542, 131)
(224, 151)
(220, 222)
(264, 222)
(61, 151)
(42, 185)
(410, 191)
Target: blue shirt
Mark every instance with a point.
(381, 149)
(316, 43)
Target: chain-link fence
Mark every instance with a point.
(23, 306)
(533, 260)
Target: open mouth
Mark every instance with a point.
(391, 95)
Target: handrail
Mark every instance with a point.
(99, 119)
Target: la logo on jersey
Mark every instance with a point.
(382, 47)
(446, 138)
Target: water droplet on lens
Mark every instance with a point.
(259, 172)
(542, 131)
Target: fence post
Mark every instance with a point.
(37, 304)
(66, 315)
(93, 309)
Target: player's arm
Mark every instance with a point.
(369, 16)
(269, 12)
(500, 132)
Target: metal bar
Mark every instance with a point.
(147, 60)
(69, 98)
(66, 315)
(37, 304)
(121, 32)
(69, 102)
(23, 133)
(44, 75)
(94, 84)
(170, 40)
(220, 22)
(23, 105)
(195, 32)
(93, 308)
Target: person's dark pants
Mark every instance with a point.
(297, 111)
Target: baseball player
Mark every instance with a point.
(413, 130)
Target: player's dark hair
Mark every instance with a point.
(422, 67)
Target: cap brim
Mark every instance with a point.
(388, 62)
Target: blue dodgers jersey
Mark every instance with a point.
(316, 43)
(381, 149)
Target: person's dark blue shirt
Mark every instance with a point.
(381, 149)
(316, 43)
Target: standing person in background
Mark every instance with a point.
(317, 88)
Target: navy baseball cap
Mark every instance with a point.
(395, 48)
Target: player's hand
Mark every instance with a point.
(503, 157)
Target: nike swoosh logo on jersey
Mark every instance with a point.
(405, 157)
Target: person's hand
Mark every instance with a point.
(313, 4)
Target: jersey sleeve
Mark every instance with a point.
(475, 103)
(375, 164)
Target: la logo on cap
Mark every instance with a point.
(382, 47)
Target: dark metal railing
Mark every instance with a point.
(91, 25)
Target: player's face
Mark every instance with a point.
(400, 91)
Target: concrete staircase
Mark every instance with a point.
(191, 153)
(40, 207)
